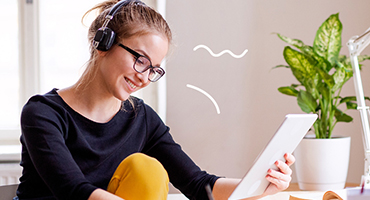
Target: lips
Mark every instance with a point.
(131, 84)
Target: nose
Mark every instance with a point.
(144, 77)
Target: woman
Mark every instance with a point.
(94, 141)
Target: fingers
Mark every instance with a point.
(282, 177)
(290, 159)
(283, 173)
(283, 167)
(279, 183)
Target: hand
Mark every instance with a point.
(280, 179)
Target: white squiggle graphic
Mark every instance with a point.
(221, 53)
(207, 95)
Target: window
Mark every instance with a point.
(9, 85)
(64, 48)
(38, 54)
(44, 47)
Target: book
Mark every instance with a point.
(356, 193)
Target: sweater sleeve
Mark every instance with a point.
(184, 174)
(44, 131)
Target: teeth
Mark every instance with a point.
(133, 86)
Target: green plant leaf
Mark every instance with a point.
(339, 77)
(305, 49)
(295, 42)
(351, 98)
(306, 101)
(328, 40)
(294, 59)
(325, 103)
(299, 64)
(325, 93)
(348, 99)
(342, 117)
(288, 90)
(344, 65)
(362, 58)
(351, 102)
(344, 60)
(311, 84)
(328, 79)
(351, 106)
(322, 72)
(281, 66)
(299, 75)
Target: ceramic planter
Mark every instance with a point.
(322, 164)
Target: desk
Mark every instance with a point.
(294, 191)
(295, 187)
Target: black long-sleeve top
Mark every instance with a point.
(67, 156)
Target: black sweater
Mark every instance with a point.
(67, 156)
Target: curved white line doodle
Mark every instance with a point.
(221, 53)
(207, 95)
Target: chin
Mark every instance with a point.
(122, 96)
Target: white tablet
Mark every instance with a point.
(285, 140)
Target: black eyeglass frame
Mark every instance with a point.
(150, 67)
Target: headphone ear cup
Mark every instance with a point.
(105, 37)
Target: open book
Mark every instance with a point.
(351, 194)
(329, 195)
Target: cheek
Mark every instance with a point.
(107, 72)
(114, 70)
(146, 84)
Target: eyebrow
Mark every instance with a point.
(142, 53)
(146, 55)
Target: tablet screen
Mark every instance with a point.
(285, 140)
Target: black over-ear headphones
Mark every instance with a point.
(105, 37)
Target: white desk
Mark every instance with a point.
(309, 195)
(293, 190)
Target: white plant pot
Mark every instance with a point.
(322, 164)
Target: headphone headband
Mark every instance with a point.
(105, 37)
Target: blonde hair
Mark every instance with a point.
(133, 19)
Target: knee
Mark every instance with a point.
(140, 177)
(144, 167)
(141, 162)
(139, 159)
(142, 174)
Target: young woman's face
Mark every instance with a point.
(116, 67)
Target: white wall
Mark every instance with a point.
(246, 89)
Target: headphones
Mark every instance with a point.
(105, 37)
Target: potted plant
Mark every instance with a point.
(321, 73)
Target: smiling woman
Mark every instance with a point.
(93, 140)
(38, 54)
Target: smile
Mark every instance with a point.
(133, 86)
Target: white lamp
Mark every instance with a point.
(356, 45)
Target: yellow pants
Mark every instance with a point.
(140, 177)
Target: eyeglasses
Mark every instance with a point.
(143, 63)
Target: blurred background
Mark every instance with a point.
(251, 108)
(45, 47)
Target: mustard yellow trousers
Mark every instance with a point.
(140, 177)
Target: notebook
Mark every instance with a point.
(285, 140)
